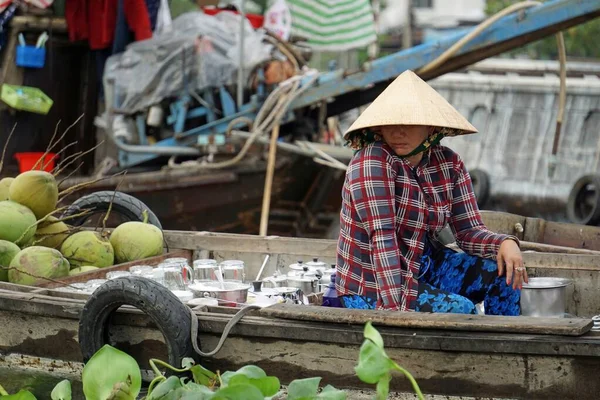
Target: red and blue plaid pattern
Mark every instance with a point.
(389, 207)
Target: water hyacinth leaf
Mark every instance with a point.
(20, 395)
(238, 392)
(62, 391)
(171, 384)
(303, 389)
(331, 393)
(373, 363)
(383, 387)
(106, 368)
(252, 371)
(268, 385)
(121, 391)
(202, 375)
(187, 362)
(373, 335)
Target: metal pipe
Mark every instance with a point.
(292, 148)
(240, 83)
(159, 150)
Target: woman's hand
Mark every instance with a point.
(509, 256)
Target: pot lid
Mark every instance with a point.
(299, 266)
(276, 278)
(315, 263)
(546, 283)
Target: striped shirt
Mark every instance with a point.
(389, 208)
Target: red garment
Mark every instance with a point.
(95, 20)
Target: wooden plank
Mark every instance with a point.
(582, 262)
(548, 248)
(552, 257)
(481, 323)
(101, 273)
(502, 222)
(572, 235)
(250, 243)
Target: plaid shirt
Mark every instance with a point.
(388, 208)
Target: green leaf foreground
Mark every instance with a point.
(114, 375)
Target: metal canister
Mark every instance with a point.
(307, 282)
(316, 265)
(275, 281)
(296, 268)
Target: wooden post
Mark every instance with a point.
(266, 204)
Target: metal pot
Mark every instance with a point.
(544, 297)
(307, 282)
(315, 265)
(230, 295)
(296, 269)
(275, 281)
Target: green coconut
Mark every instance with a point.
(35, 263)
(51, 233)
(4, 185)
(17, 222)
(37, 190)
(8, 251)
(88, 248)
(136, 240)
(81, 270)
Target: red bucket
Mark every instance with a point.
(28, 160)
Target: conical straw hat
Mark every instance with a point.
(409, 100)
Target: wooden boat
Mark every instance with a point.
(482, 356)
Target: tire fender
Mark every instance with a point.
(481, 186)
(170, 315)
(583, 204)
(122, 203)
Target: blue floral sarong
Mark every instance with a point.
(452, 282)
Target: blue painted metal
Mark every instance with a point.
(140, 121)
(555, 12)
(228, 106)
(337, 83)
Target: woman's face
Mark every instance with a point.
(404, 138)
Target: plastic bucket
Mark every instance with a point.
(28, 160)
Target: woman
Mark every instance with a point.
(401, 188)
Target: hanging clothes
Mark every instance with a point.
(153, 6)
(96, 21)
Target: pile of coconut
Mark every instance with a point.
(36, 246)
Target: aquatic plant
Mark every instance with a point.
(114, 375)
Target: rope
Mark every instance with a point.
(234, 320)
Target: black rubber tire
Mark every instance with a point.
(481, 186)
(123, 204)
(170, 315)
(577, 197)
